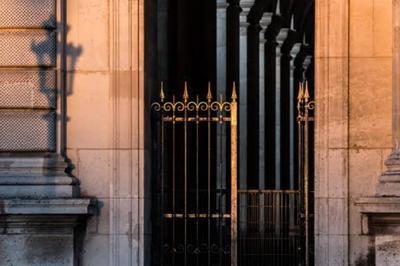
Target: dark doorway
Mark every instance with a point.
(201, 43)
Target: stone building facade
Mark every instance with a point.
(104, 65)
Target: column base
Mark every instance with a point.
(36, 177)
(42, 220)
(389, 182)
(380, 218)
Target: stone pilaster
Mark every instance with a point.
(380, 215)
(389, 182)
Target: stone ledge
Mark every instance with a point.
(49, 216)
(380, 215)
(47, 206)
(36, 179)
(51, 161)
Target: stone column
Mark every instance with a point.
(270, 99)
(221, 46)
(244, 24)
(264, 23)
(280, 39)
(285, 105)
(389, 182)
(293, 90)
(233, 41)
(222, 87)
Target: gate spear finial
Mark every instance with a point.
(209, 94)
(306, 93)
(301, 92)
(234, 95)
(185, 93)
(162, 96)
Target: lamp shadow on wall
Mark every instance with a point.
(55, 53)
(56, 47)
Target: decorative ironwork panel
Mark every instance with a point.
(28, 48)
(27, 14)
(196, 223)
(28, 89)
(22, 131)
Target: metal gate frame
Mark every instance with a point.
(208, 111)
(304, 118)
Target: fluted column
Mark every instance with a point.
(389, 183)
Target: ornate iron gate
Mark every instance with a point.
(196, 196)
(202, 218)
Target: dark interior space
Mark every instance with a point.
(191, 173)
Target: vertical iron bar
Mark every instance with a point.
(220, 190)
(197, 179)
(306, 210)
(173, 182)
(300, 162)
(162, 182)
(234, 178)
(185, 100)
(209, 179)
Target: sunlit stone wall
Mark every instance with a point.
(353, 136)
(105, 93)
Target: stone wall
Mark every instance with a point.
(353, 135)
(105, 109)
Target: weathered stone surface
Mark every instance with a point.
(370, 102)
(40, 232)
(387, 250)
(46, 206)
(39, 250)
(365, 169)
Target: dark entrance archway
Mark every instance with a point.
(267, 48)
